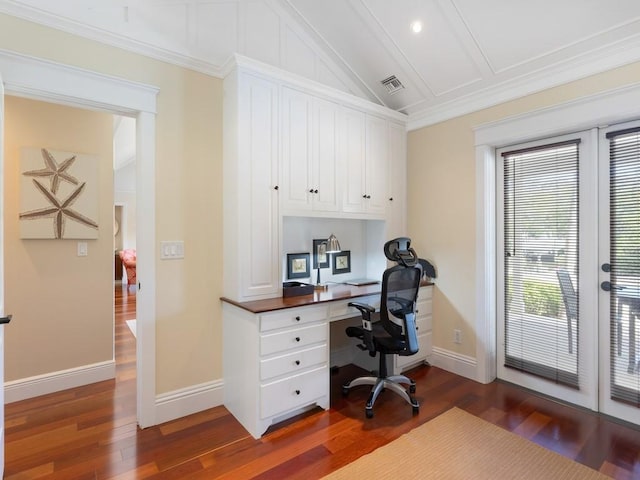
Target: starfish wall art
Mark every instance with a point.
(58, 194)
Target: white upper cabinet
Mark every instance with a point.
(377, 165)
(354, 151)
(397, 193)
(309, 145)
(366, 158)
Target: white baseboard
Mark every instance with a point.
(185, 401)
(30, 387)
(453, 362)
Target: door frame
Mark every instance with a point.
(604, 108)
(40, 79)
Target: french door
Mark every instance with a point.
(569, 268)
(547, 292)
(619, 271)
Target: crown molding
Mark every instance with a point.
(303, 83)
(84, 30)
(562, 73)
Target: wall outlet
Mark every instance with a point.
(457, 336)
(83, 249)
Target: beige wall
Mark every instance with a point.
(442, 204)
(62, 303)
(188, 195)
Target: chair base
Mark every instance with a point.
(379, 384)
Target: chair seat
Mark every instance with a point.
(384, 342)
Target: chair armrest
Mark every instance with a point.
(365, 311)
(363, 307)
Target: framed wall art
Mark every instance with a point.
(298, 265)
(342, 262)
(58, 194)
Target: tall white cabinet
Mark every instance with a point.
(250, 187)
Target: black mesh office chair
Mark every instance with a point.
(393, 329)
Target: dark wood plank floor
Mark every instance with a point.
(90, 432)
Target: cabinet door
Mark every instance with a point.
(325, 185)
(377, 155)
(296, 171)
(397, 182)
(258, 202)
(354, 147)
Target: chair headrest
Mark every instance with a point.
(399, 250)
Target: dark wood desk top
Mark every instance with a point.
(334, 292)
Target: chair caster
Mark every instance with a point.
(412, 388)
(416, 410)
(345, 391)
(368, 413)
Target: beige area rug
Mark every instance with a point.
(458, 445)
(132, 326)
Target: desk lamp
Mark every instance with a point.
(333, 246)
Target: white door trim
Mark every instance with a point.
(48, 81)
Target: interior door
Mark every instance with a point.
(619, 270)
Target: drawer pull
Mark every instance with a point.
(297, 362)
(297, 339)
(298, 318)
(297, 392)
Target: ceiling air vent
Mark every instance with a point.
(392, 84)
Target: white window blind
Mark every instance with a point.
(541, 211)
(624, 220)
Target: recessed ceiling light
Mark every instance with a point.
(416, 27)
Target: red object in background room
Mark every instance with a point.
(128, 257)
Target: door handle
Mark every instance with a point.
(608, 286)
(6, 319)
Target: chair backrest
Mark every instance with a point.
(569, 295)
(400, 285)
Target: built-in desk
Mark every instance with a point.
(276, 351)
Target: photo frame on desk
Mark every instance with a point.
(320, 255)
(298, 265)
(342, 262)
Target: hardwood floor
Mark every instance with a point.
(90, 432)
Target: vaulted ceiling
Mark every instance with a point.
(469, 54)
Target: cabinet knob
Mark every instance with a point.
(315, 191)
(297, 339)
(364, 196)
(297, 362)
(391, 199)
(297, 392)
(276, 187)
(368, 196)
(311, 190)
(298, 318)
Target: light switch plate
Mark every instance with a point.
(83, 249)
(171, 250)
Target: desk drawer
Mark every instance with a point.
(293, 338)
(292, 363)
(293, 392)
(425, 293)
(343, 310)
(425, 348)
(291, 317)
